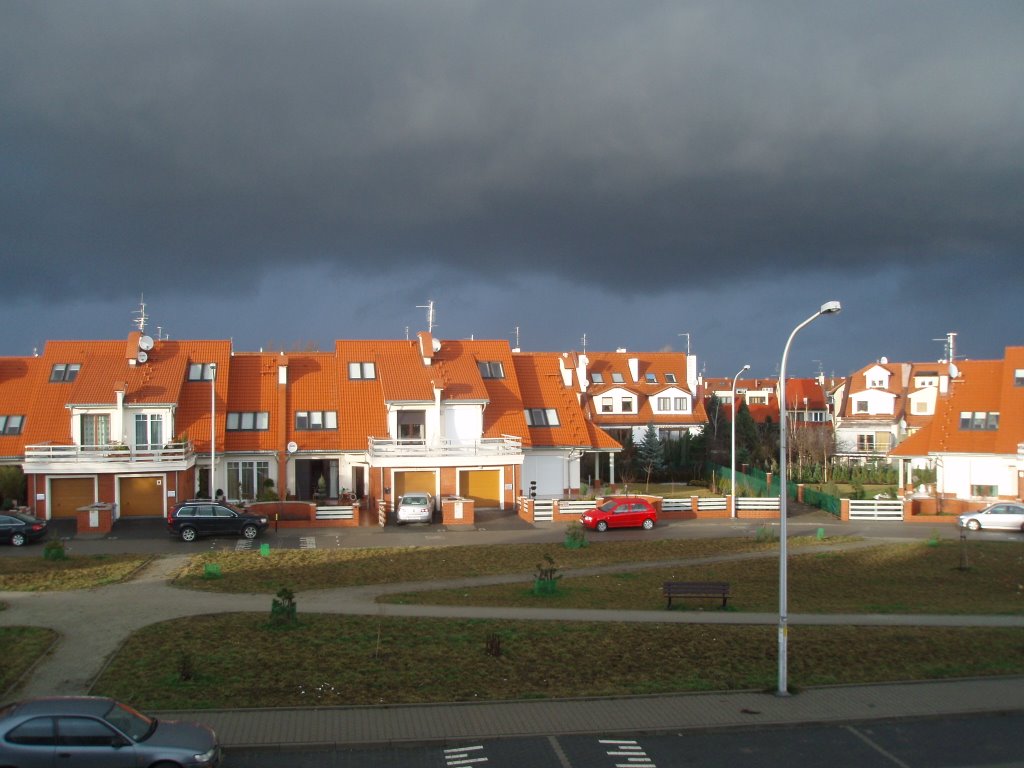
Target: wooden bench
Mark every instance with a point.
(705, 589)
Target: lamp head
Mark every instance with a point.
(745, 368)
(830, 308)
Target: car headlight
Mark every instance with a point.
(263, 520)
(207, 757)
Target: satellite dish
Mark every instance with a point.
(145, 343)
(142, 356)
(293, 447)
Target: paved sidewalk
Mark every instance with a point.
(93, 623)
(453, 723)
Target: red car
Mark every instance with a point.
(621, 512)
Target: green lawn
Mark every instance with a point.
(25, 574)
(22, 647)
(893, 578)
(302, 570)
(239, 660)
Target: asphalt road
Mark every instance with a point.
(985, 741)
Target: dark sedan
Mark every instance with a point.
(19, 529)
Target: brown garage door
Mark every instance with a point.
(141, 496)
(483, 486)
(67, 494)
(407, 482)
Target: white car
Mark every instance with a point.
(415, 507)
(1003, 514)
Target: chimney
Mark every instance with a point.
(427, 347)
(634, 368)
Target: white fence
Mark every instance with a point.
(876, 509)
(341, 512)
(758, 502)
(543, 510)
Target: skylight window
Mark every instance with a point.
(64, 371)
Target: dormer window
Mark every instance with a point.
(651, 378)
(541, 417)
(200, 371)
(597, 378)
(248, 421)
(979, 420)
(491, 370)
(617, 378)
(64, 371)
(312, 420)
(670, 378)
(627, 405)
(1018, 377)
(362, 371)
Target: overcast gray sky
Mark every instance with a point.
(644, 174)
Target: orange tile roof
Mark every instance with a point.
(363, 411)
(313, 385)
(19, 382)
(540, 381)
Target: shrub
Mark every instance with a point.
(283, 610)
(54, 550)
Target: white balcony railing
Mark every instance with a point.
(112, 454)
(506, 445)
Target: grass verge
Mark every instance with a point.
(22, 647)
(240, 660)
(302, 570)
(916, 577)
(23, 574)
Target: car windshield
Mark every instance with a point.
(135, 724)
(23, 517)
(417, 500)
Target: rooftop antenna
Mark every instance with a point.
(949, 347)
(517, 337)
(407, 333)
(140, 321)
(687, 341)
(584, 342)
(429, 306)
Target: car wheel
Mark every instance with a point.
(648, 524)
(188, 534)
(250, 531)
(974, 525)
(18, 539)
(602, 526)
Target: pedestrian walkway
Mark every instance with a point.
(93, 623)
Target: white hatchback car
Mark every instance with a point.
(1001, 515)
(415, 507)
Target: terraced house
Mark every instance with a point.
(975, 439)
(144, 423)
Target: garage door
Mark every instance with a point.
(483, 486)
(407, 482)
(69, 493)
(141, 496)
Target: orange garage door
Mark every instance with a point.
(141, 496)
(407, 482)
(67, 494)
(483, 486)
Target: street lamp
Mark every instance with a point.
(732, 486)
(828, 308)
(213, 424)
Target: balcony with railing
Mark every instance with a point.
(51, 454)
(506, 445)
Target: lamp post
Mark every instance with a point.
(732, 480)
(828, 308)
(213, 424)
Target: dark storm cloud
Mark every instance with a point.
(704, 141)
